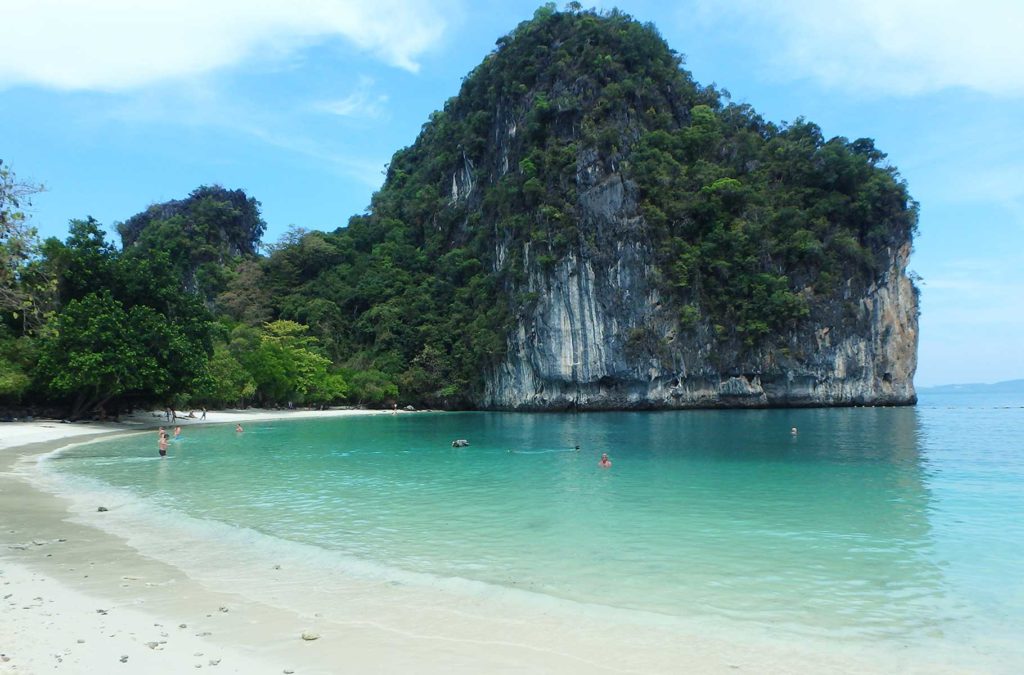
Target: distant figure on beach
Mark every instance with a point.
(203, 416)
(793, 431)
(605, 463)
(163, 444)
(167, 414)
(238, 428)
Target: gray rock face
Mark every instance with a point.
(600, 337)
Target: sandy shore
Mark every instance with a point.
(80, 595)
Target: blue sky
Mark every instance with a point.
(302, 102)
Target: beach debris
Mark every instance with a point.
(101, 611)
(124, 659)
(277, 567)
(460, 443)
(214, 662)
(81, 641)
(309, 636)
(102, 509)
(182, 625)
(152, 645)
(223, 609)
(288, 672)
(204, 633)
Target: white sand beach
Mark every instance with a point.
(78, 595)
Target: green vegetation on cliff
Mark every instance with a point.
(755, 229)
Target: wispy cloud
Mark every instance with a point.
(111, 45)
(363, 103)
(901, 47)
(202, 104)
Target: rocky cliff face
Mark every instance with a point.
(600, 336)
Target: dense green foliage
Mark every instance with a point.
(754, 228)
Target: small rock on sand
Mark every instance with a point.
(102, 509)
(124, 659)
(310, 635)
(214, 662)
(182, 625)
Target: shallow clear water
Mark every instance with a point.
(896, 524)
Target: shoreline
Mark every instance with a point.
(61, 569)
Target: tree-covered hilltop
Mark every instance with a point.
(579, 132)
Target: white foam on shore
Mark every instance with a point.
(208, 551)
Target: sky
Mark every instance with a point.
(113, 105)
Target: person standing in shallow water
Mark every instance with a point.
(605, 463)
(162, 446)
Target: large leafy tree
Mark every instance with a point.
(97, 349)
(126, 331)
(287, 366)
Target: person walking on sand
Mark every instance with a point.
(203, 416)
(605, 463)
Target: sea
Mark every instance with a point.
(867, 526)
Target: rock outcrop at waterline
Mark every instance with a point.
(603, 334)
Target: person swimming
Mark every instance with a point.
(238, 428)
(605, 463)
(793, 431)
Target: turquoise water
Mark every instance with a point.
(871, 524)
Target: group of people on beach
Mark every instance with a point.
(172, 415)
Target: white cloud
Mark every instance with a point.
(362, 102)
(900, 47)
(122, 44)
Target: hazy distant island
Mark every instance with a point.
(582, 227)
(1007, 386)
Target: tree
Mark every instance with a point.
(19, 244)
(96, 350)
(287, 367)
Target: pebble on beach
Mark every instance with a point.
(310, 635)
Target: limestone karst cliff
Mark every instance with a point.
(584, 226)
